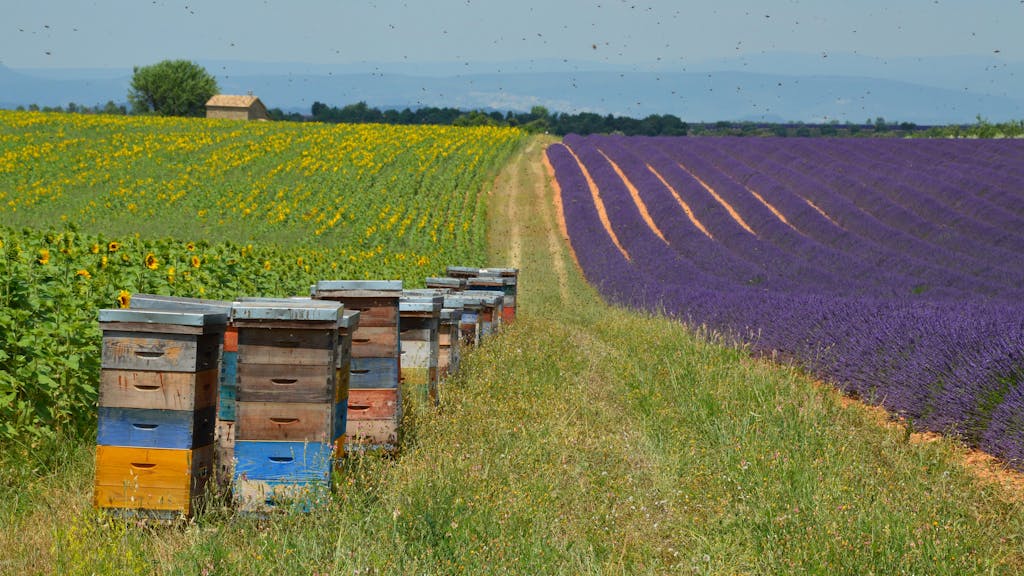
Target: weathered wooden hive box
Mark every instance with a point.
(505, 280)
(471, 318)
(449, 349)
(419, 327)
(445, 283)
(491, 302)
(224, 434)
(504, 284)
(157, 410)
(375, 397)
(290, 417)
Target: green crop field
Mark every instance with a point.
(96, 208)
(585, 439)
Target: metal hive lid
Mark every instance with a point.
(490, 281)
(462, 271)
(287, 309)
(445, 282)
(451, 314)
(464, 300)
(504, 272)
(178, 303)
(420, 301)
(183, 317)
(350, 320)
(383, 285)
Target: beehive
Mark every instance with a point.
(445, 283)
(226, 386)
(504, 279)
(470, 320)
(347, 325)
(491, 302)
(375, 398)
(157, 410)
(448, 340)
(289, 414)
(419, 325)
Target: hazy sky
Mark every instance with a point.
(123, 33)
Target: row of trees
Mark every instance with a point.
(538, 119)
(182, 88)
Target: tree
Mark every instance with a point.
(171, 88)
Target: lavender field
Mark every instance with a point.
(891, 268)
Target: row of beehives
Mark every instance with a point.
(265, 394)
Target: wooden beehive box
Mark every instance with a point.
(289, 415)
(503, 279)
(157, 409)
(449, 349)
(226, 386)
(374, 397)
(470, 321)
(420, 322)
(462, 271)
(444, 282)
(507, 285)
(491, 302)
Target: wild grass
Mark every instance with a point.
(585, 439)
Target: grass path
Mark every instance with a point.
(584, 440)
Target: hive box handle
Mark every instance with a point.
(142, 465)
(141, 426)
(149, 353)
(280, 459)
(284, 421)
(147, 387)
(284, 381)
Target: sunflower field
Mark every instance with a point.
(96, 208)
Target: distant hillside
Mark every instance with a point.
(88, 87)
(787, 87)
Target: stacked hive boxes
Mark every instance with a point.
(491, 302)
(419, 325)
(224, 436)
(471, 318)
(289, 411)
(449, 351)
(347, 325)
(448, 283)
(505, 280)
(451, 322)
(158, 395)
(375, 399)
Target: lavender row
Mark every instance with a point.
(950, 364)
(828, 185)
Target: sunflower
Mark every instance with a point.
(124, 299)
(170, 274)
(195, 261)
(44, 256)
(103, 262)
(83, 273)
(152, 262)
(95, 249)
(266, 265)
(113, 246)
(191, 246)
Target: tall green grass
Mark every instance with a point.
(585, 439)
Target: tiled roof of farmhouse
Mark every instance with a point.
(231, 100)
